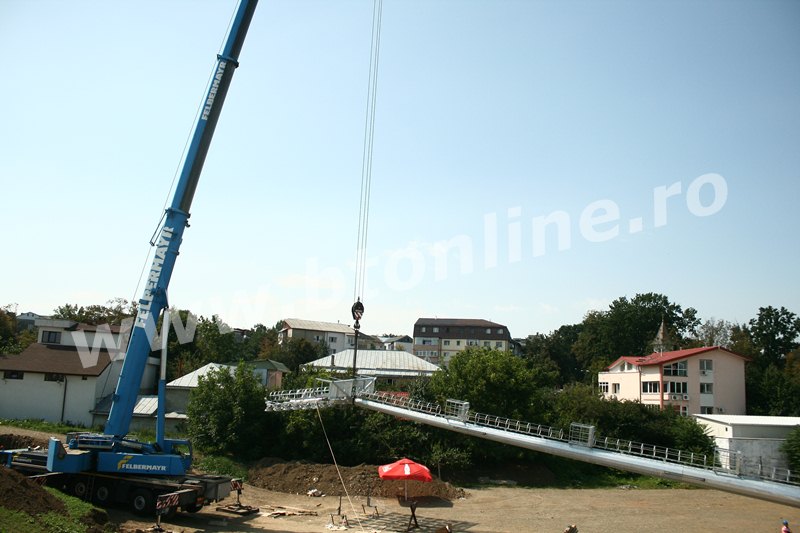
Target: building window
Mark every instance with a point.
(684, 410)
(332, 340)
(615, 388)
(51, 337)
(500, 331)
(706, 366)
(317, 338)
(446, 343)
(651, 387)
(706, 388)
(676, 387)
(676, 369)
(603, 387)
(486, 343)
(488, 331)
(498, 344)
(458, 343)
(706, 410)
(423, 329)
(13, 374)
(436, 329)
(53, 377)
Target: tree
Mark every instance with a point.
(771, 391)
(774, 334)
(628, 327)
(226, 412)
(629, 420)
(297, 351)
(114, 312)
(791, 447)
(714, 332)
(8, 329)
(484, 377)
(215, 341)
(557, 347)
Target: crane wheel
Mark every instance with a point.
(192, 508)
(102, 494)
(143, 502)
(79, 488)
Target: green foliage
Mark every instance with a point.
(628, 327)
(221, 465)
(297, 351)
(713, 332)
(630, 420)
(442, 455)
(791, 447)
(557, 347)
(774, 334)
(41, 425)
(215, 341)
(484, 378)
(114, 312)
(226, 412)
(8, 326)
(771, 391)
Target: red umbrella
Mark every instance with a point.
(405, 469)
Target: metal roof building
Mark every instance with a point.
(378, 363)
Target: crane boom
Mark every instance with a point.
(154, 297)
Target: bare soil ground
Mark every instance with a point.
(280, 490)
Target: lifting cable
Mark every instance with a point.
(338, 472)
(200, 106)
(363, 209)
(366, 160)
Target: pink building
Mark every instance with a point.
(708, 380)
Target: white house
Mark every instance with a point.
(708, 380)
(64, 376)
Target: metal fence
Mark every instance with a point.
(580, 434)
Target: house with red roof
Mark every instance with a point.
(707, 380)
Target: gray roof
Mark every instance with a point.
(146, 405)
(192, 379)
(381, 363)
(56, 359)
(474, 322)
(313, 325)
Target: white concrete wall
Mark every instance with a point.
(33, 397)
(767, 451)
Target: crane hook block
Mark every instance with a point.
(357, 310)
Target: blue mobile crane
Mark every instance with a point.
(109, 467)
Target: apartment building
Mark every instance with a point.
(437, 340)
(337, 336)
(708, 380)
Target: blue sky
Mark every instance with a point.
(661, 136)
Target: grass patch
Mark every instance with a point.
(51, 522)
(41, 425)
(576, 474)
(223, 466)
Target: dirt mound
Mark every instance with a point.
(297, 477)
(10, 441)
(22, 494)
